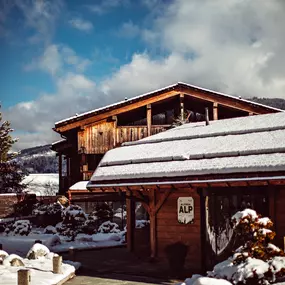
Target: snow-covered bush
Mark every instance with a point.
(73, 214)
(50, 230)
(103, 212)
(13, 260)
(257, 261)
(73, 219)
(67, 230)
(20, 227)
(37, 251)
(109, 227)
(48, 214)
(3, 255)
(90, 226)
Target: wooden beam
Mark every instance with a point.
(148, 119)
(139, 197)
(131, 222)
(181, 100)
(225, 101)
(152, 218)
(215, 111)
(60, 173)
(272, 205)
(203, 229)
(114, 112)
(162, 199)
(115, 119)
(68, 170)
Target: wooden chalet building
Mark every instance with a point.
(88, 136)
(193, 178)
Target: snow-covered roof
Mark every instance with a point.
(42, 184)
(81, 185)
(239, 145)
(58, 142)
(154, 92)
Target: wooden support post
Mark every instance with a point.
(203, 229)
(215, 111)
(131, 222)
(152, 218)
(207, 116)
(68, 170)
(71, 253)
(60, 173)
(272, 205)
(181, 97)
(56, 264)
(115, 119)
(148, 119)
(24, 277)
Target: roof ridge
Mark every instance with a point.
(178, 84)
(230, 96)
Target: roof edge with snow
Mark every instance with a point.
(175, 86)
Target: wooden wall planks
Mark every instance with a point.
(169, 231)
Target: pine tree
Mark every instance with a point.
(10, 173)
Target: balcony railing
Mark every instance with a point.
(133, 133)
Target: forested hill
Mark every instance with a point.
(273, 102)
(40, 159)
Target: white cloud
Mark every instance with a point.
(80, 24)
(226, 46)
(129, 30)
(34, 120)
(40, 16)
(106, 5)
(57, 58)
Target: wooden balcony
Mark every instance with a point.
(134, 133)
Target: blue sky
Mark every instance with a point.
(98, 35)
(61, 57)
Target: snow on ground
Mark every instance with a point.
(197, 279)
(83, 241)
(41, 272)
(42, 184)
(201, 280)
(21, 244)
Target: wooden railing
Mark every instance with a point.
(134, 133)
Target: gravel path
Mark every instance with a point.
(115, 279)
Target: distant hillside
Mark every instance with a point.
(273, 102)
(40, 159)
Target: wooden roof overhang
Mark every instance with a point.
(230, 180)
(159, 95)
(61, 146)
(85, 195)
